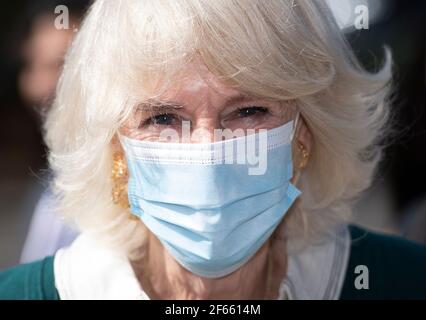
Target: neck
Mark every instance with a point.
(163, 278)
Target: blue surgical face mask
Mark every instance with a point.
(209, 210)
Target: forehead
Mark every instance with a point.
(197, 82)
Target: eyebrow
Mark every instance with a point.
(237, 99)
(168, 105)
(158, 104)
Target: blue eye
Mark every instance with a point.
(166, 119)
(251, 111)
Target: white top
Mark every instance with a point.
(87, 270)
(47, 232)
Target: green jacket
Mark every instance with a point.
(396, 270)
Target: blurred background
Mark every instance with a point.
(31, 56)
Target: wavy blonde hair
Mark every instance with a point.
(279, 49)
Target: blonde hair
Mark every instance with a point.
(279, 49)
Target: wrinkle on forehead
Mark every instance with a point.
(195, 79)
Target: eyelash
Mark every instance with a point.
(153, 120)
(258, 109)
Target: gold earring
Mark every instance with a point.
(119, 177)
(305, 156)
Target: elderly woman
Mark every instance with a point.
(212, 150)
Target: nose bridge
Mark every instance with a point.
(206, 117)
(203, 130)
(207, 97)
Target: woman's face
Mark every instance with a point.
(43, 57)
(206, 104)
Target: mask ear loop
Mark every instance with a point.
(296, 123)
(296, 177)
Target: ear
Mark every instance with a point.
(302, 148)
(116, 145)
(304, 135)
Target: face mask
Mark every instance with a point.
(202, 202)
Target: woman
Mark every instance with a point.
(157, 140)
